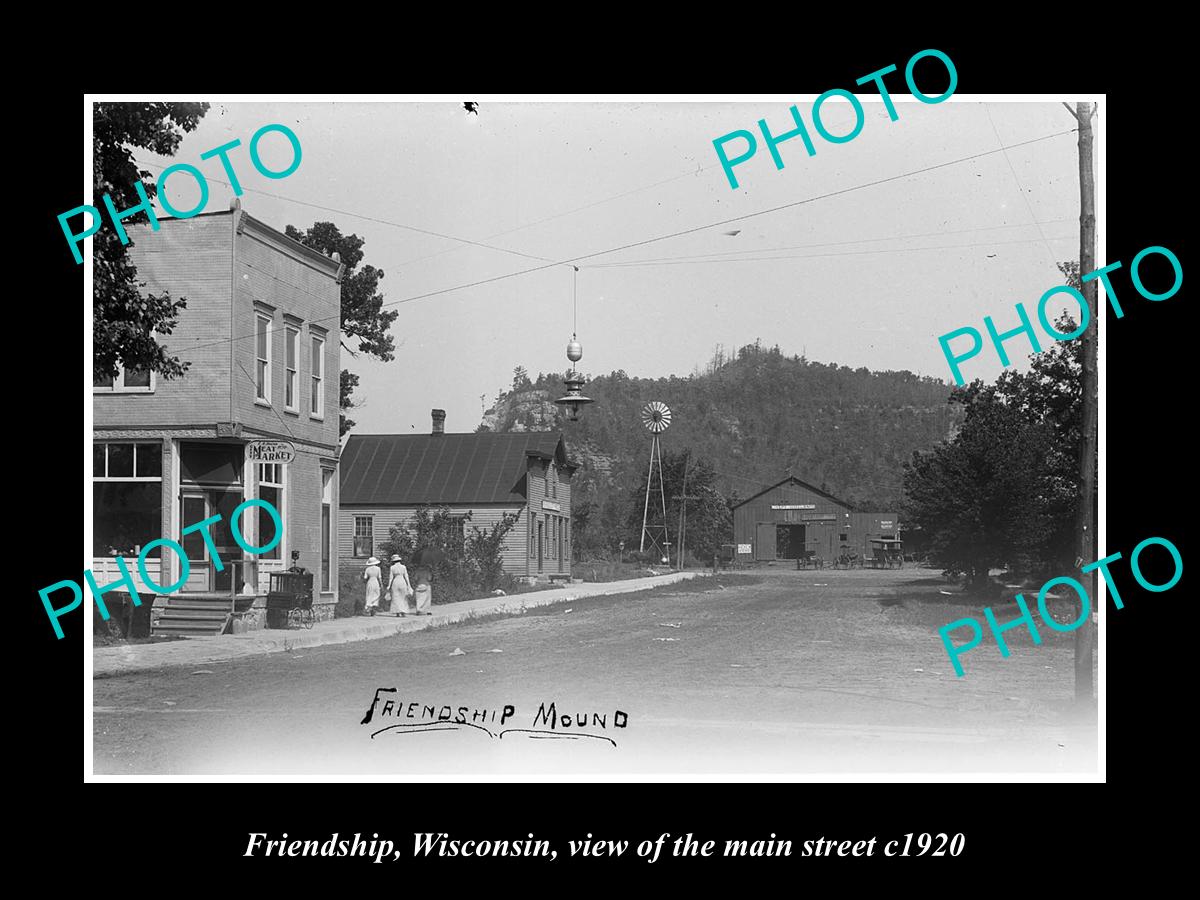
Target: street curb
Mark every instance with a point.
(109, 662)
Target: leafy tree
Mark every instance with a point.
(126, 320)
(484, 551)
(1005, 488)
(363, 318)
(520, 379)
(433, 528)
(583, 510)
(979, 498)
(347, 383)
(709, 522)
(471, 562)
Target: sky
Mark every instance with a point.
(869, 276)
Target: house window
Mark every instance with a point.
(127, 381)
(262, 364)
(844, 536)
(364, 535)
(291, 387)
(126, 498)
(317, 406)
(532, 542)
(457, 534)
(551, 482)
(270, 488)
(326, 525)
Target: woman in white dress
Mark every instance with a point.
(423, 593)
(399, 586)
(373, 577)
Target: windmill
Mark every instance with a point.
(656, 416)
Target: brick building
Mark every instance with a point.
(261, 331)
(386, 477)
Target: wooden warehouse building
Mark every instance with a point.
(793, 518)
(387, 477)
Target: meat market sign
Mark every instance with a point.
(270, 451)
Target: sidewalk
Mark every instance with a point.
(128, 658)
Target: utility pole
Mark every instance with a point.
(683, 510)
(1085, 521)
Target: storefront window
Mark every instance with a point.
(126, 498)
(120, 460)
(270, 488)
(326, 525)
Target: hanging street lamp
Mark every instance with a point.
(573, 400)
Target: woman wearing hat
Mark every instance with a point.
(399, 586)
(372, 575)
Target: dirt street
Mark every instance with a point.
(771, 672)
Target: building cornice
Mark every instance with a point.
(293, 248)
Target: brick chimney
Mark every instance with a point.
(439, 421)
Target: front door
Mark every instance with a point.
(198, 504)
(789, 542)
(195, 509)
(764, 540)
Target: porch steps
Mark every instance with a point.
(193, 615)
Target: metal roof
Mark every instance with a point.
(413, 469)
(792, 479)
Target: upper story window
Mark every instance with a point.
(291, 386)
(128, 381)
(551, 482)
(317, 404)
(262, 363)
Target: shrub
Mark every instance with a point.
(471, 563)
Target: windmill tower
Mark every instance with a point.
(656, 416)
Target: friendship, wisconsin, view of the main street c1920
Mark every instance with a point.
(568, 457)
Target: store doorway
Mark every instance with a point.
(198, 504)
(541, 545)
(789, 541)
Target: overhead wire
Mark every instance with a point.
(1017, 181)
(898, 237)
(345, 212)
(685, 262)
(646, 241)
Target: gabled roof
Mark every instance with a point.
(413, 469)
(792, 479)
